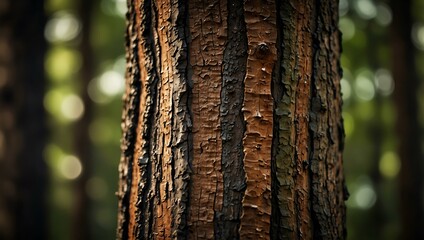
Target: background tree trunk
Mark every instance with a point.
(376, 134)
(23, 171)
(82, 143)
(232, 121)
(407, 125)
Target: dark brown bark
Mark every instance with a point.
(82, 143)
(206, 82)
(227, 221)
(23, 173)
(206, 23)
(407, 125)
(308, 185)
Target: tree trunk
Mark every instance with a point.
(376, 134)
(232, 122)
(82, 143)
(23, 172)
(407, 125)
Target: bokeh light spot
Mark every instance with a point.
(121, 7)
(364, 87)
(343, 7)
(346, 89)
(52, 100)
(389, 164)
(62, 62)
(114, 7)
(95, 94)
(384, 14)
(365, 9)
(111, 83)
(62, 27)
(384, 81)
(52, 153)
(72, 107)
(418, 35)
(365, 197)
(347, 26)
(120, 65)
(349, 124)
(70, 167)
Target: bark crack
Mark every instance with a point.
(233, 73)
(129, 126)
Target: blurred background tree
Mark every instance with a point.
(23, 171)
(85, 66)
(374, 72)
(84, 69)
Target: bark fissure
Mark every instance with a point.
(147, 157)
(144, 194)
(233, 72)
(157, 137)
(285, 219)
(277, 92)
(130, 117)
(182, 118)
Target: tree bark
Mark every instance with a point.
(232, 123)
(23, 172)
(407, 125)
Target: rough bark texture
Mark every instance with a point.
(232, 122)
(407, 125)
(207, 26)
(308, 131)
(23, 172)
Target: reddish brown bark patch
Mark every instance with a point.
(261, 37)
